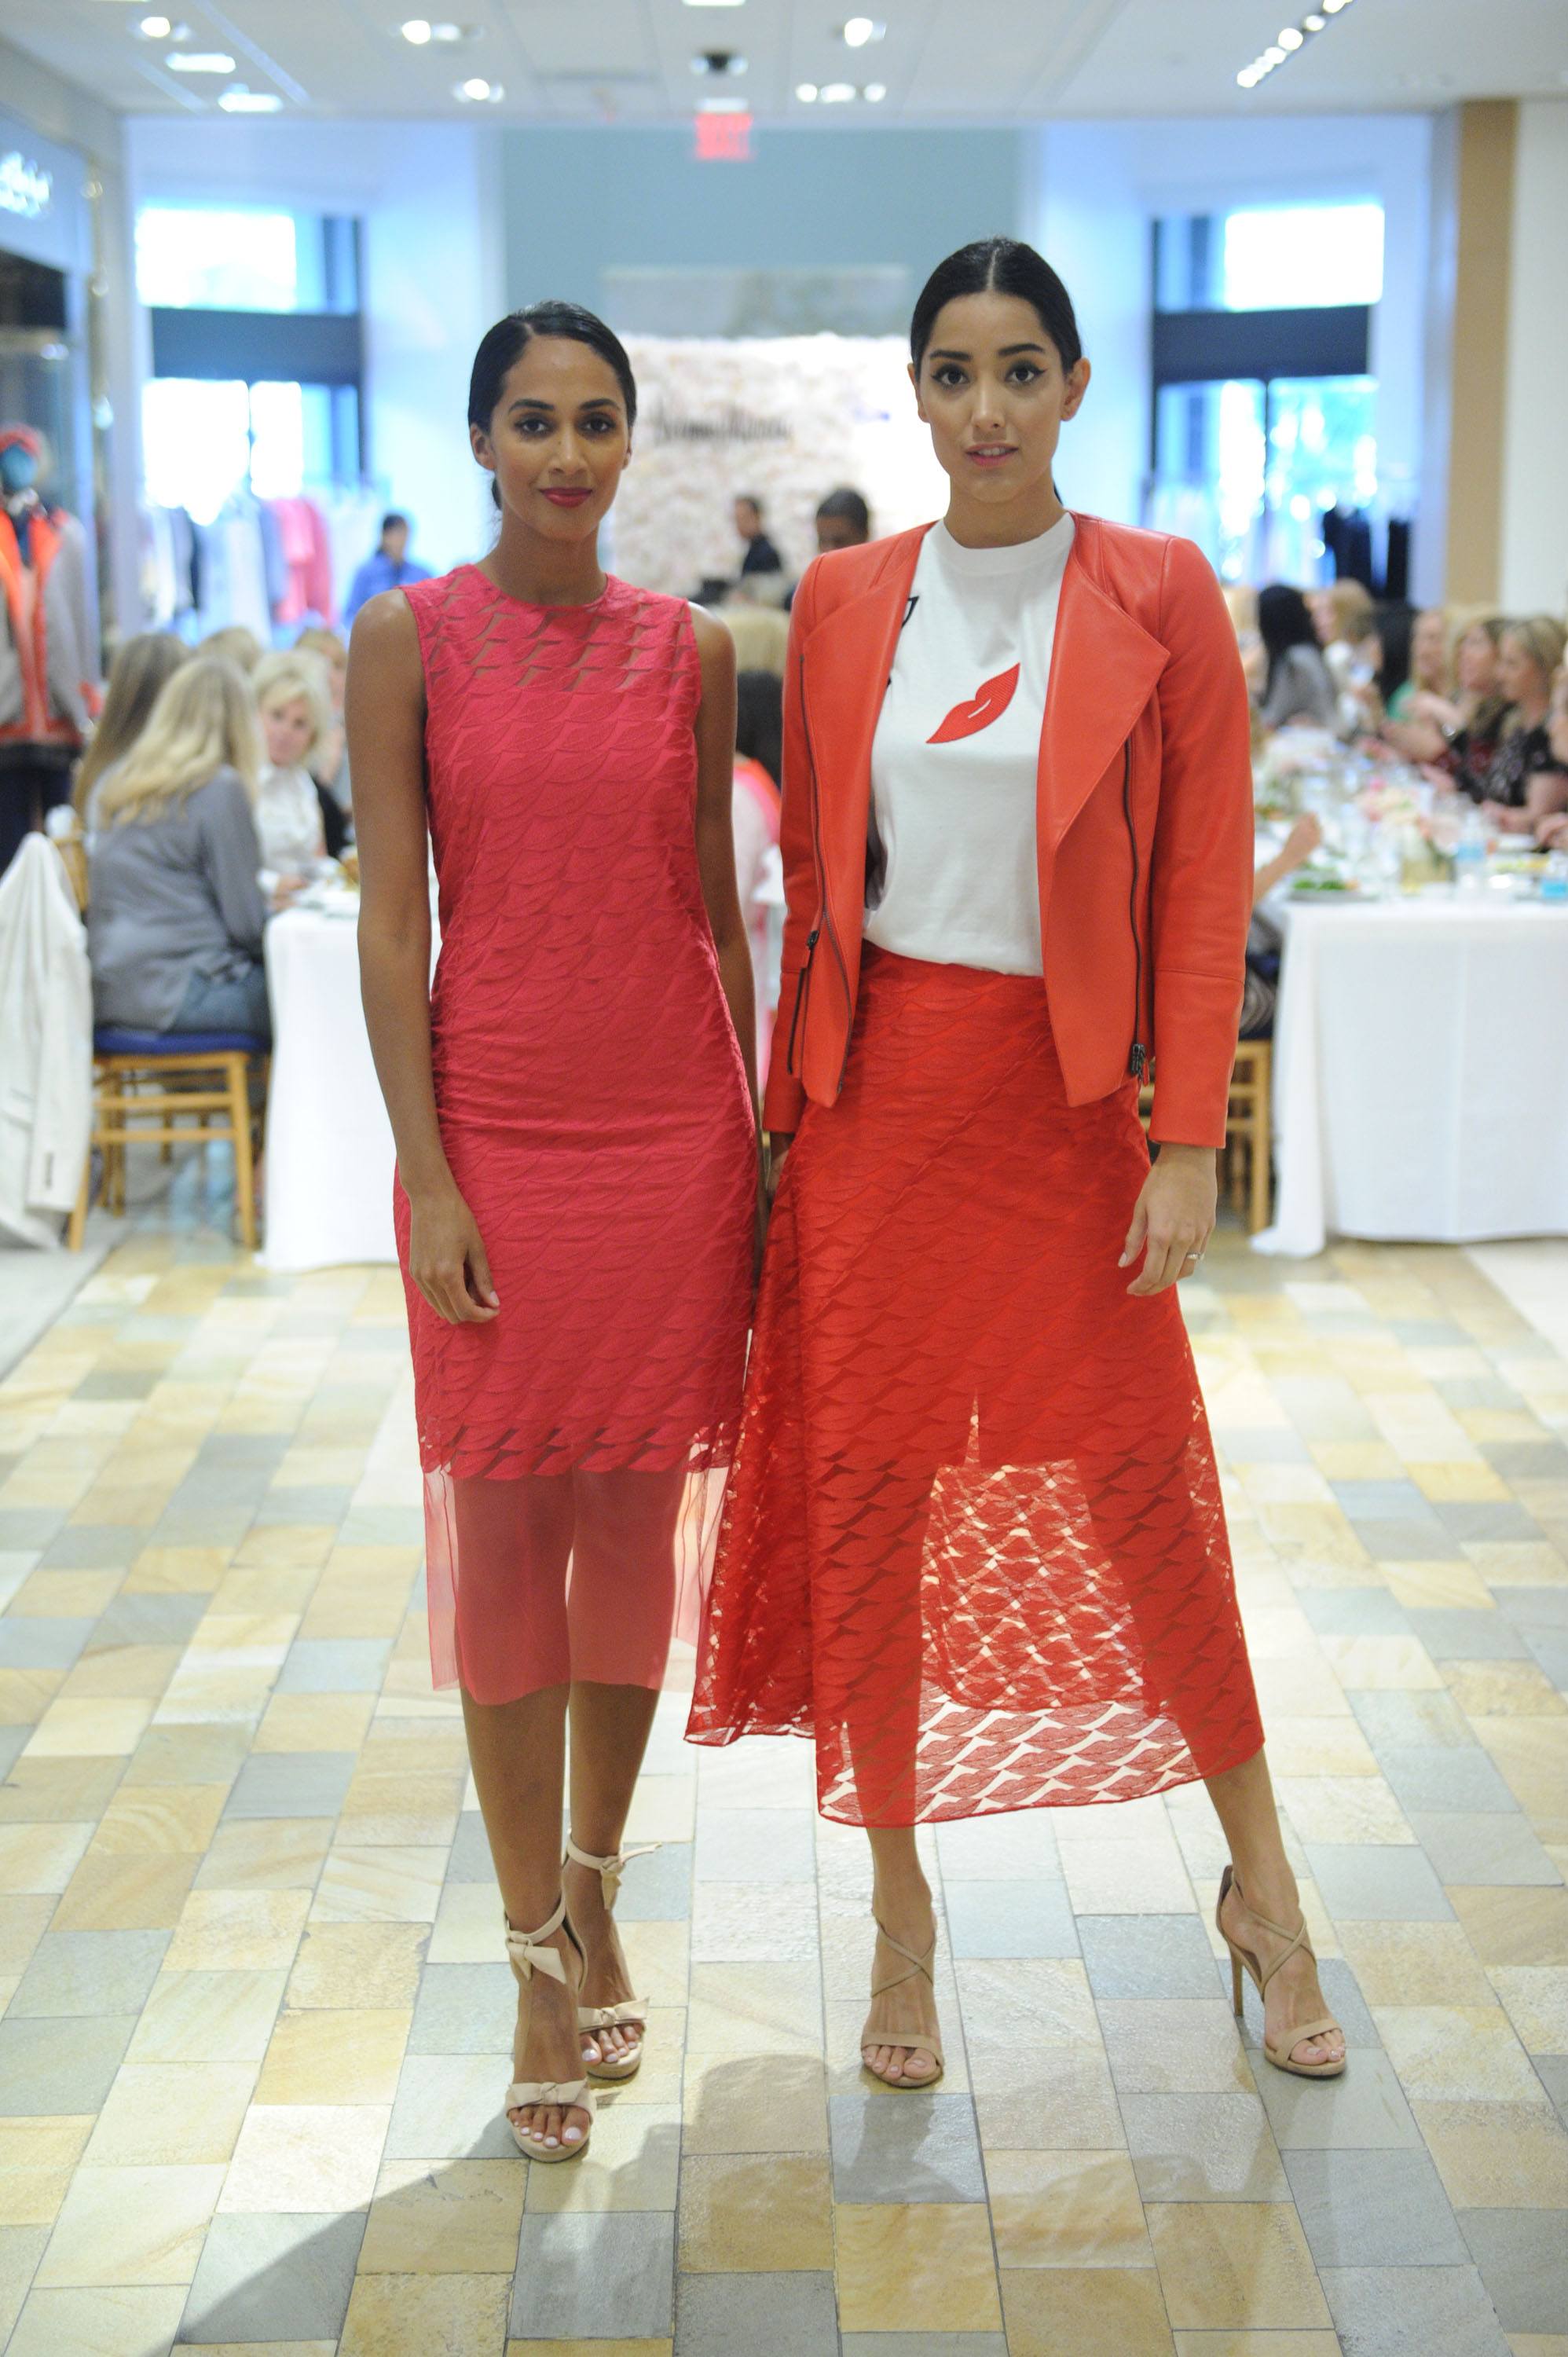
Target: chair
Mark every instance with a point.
(150, 1078)
(1249, 1133)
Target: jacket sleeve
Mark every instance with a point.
(233, 861)
(784, 1099)
(1200, 889)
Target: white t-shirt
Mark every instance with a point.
(955, 762)
(288, 821)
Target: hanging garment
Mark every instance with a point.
(46, 1045)
(307, 556)
(50, 677)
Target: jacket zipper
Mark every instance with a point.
(1138, 1054)
(824, 918)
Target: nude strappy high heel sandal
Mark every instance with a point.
(527, 1955)
(1243, 1960)
(631, 2010)
(932, 2045)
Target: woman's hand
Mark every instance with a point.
(1173, 1218)
(447, 1258)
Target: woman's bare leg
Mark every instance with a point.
(518, 1752)
(622, 1608)
(1243, 1799)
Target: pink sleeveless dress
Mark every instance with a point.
(595, 1111)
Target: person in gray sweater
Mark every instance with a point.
(1298, 685)
(176, 911)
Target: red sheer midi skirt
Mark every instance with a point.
(974, 1540)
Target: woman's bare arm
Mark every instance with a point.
(715, 834)
(384, 709)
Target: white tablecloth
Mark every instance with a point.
(1421, 1072)
(330, 1145)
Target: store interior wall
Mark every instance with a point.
(57, 110)
(433, 277)
(1534, 502)
(581, 203)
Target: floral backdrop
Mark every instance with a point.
(789, 418)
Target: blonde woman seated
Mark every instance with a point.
(1443, 726)
(329, 765)
(175, 911)
(1526, 782)
(295, 707)
(137, 676)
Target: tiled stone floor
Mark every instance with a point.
(256, 2023)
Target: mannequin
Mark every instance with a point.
(49, 683)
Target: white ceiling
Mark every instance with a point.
(632, 60)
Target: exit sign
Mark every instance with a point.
(724, 138)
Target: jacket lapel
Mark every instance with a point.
(845, 666)
(1103, 668)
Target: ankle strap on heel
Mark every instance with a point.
(609, 1869)
(529, 1952)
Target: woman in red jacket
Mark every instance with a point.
(974, 1541)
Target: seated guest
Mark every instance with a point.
(1525, 781)
(175, 913)
(1427, 672)
(843, 520)
(1387, 652)
(1264, 941)
(1462, 722)
(295, 711)
(141, 669)
(236, 645)
(328, 764)
(1296, 685)
(1551, 831)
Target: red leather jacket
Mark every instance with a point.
(1144, 821)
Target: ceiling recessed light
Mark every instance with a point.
(448, 34)
(807, 93)
(836, 93)
(875, 92)
(1313, 24)
(250, 102)
(861, 30)
(1290, 39)
(477, 92)
(416, 30)
(156, 28)
(199, 62)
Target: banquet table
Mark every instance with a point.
(1420, 1071)
(330, 1154)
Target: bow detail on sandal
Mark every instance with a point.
(630, 2012)
(528, 1953)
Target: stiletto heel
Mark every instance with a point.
(918, 2041)
(527, 1954)
(1236, 2004)
(632, 2011)
(1242, 1960)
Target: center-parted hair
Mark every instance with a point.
(505, 343)
(998, 265)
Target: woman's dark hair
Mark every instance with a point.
(759, 719)
(1393, 624)
(848, 506)
(1285, 620)
(998, 265)
(506, 342)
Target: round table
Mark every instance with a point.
(1420, 1070)
(329, 1157)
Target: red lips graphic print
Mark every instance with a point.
(989, 701)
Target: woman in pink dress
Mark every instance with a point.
(573, 1102)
